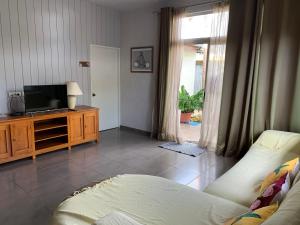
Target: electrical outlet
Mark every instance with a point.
(15, 94)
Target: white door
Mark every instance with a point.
(105, 84)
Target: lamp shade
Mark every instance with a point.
(73, 88)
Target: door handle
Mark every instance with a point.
(93, 94)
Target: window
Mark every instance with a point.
(196, 26)
(196, 33)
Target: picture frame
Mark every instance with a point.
(141, 59)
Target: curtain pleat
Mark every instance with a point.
(243, 32)
(170, 62)
(276, 98)
(164, 46)
(214, 78)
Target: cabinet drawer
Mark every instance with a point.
(76, 128)
(21, 138)
(90, 125)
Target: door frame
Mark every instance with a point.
(119, 79)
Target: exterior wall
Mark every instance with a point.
(188, 69)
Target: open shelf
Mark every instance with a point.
(50, 124)
(48, 137)
(49, 127)
(51, 134)
(56, 143)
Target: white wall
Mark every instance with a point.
(138, 89)
(42, 41)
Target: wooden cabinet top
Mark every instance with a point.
(43, 115)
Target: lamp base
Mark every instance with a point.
(71, 102)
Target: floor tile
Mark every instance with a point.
(33, 189)
(179, 175)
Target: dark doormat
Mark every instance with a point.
(186, 148)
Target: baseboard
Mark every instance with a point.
(143, 132)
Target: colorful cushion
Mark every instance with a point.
(256, 217)
(291, 167)
(274, 193)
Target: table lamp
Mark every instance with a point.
(73, 91)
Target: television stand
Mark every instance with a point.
(48, 111)
(17, 114)
(39, 133)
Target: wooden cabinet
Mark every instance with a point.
(90, 120)
(83, 127)
(21, 138)
(5, 144)
(76, 132)
(29, 136)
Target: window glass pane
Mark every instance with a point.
(194, 67)
(200, 26)
(196, 26)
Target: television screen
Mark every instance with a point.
(45, 97)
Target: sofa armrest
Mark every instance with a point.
(278, 141)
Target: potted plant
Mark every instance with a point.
(189, 103)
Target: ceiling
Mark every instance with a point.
(127, 5)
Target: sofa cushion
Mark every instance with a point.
(291, 167)
(116, 218)
(297, 178)
(289, 211)
(270, 150)
(148, 200)
(274, 193)
(256, 217)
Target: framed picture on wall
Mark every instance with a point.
(142, 60)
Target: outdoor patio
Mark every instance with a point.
(191, 131)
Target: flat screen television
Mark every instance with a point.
(45, 97)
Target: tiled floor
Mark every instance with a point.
(31, 190)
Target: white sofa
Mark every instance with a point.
(240, 183)
(157, 201)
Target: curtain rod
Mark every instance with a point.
(198, 4)
(203, 3)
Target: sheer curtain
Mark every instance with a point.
(214, 77)
(171, 116)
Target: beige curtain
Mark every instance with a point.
(214, 78)
(171, 118)
(242, 41)
(166, 16)
(276, 99)
(261, 78)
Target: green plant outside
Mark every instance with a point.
(189, 103)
